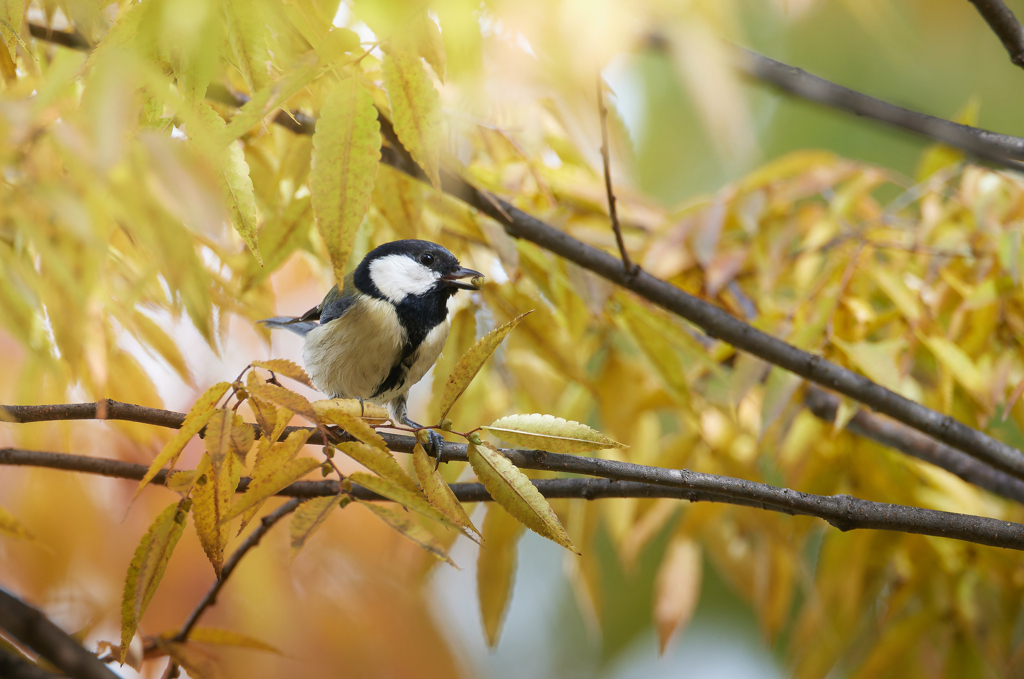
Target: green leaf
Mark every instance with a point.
(496, 569)
(553, 434)
(437, 491)
(308, 518)
(416, 110)
(289, 369)
(514, 491)
(381, 462)
(410, 529)
(195, 420)
(147, 568)
(9, 525)
(346, 152)
(470, 363)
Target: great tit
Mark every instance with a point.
(377, 336)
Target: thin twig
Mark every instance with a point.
(627, 265)
(32, 628)
(1005, 25)
(254, 538)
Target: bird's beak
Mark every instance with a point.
(454, 279)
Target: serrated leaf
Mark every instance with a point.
(147, 568)
(353, 424)
(197, 663)
(411, 530)
(269, 458)
(223, 637)
(514, 491)
(212, 494)
(350, 406)
(266, 413)
(381, 462)
(273, 478)
(195, 420)
(247, 34)
(218, 438)
(285, 398)
(9, 525)
(437, 492)
(289, 369)
(392, 491)
(267, 100)
(676, 589)
(346, 152)
(470, 363)
(496, 569)
(553, 434)
(416, 110)
(181, 482)
(308, 518)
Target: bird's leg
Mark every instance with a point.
(362, 407)
(400, 414)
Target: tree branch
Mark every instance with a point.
(35, 630)
(1005, 25)
(266, 523)
(606, 160)
(999, 148)
(15, 667)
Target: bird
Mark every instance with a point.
(381, 332)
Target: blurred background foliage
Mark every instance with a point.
(123, 278)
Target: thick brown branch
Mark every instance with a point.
(254, 538)
(35, 630)
(72, 40)
(916, 444)
(15, 667)
(1005, 25)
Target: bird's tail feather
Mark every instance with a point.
(289, 323)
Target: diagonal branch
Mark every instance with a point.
(606, 160)
(1004, 24)
(35, 630)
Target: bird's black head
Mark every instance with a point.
(405, 270)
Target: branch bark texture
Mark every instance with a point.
(1004, 24)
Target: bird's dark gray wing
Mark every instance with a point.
(290, 323)
(337, 302)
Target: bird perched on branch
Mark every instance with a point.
(380, 334)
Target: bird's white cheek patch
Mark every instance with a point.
(397, 276)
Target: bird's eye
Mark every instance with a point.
(426, 259)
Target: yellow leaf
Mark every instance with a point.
(676, 589)
(271, 480)
(353, 424)
(269, 458)
(513, 490)
(426, 39)
(198, 664)
(212, 493)
(400, 199)
(381, 462)
(309, 516)
(470, 363)
(553, 434)
(416, 110)
(223, 637)
(154, 336)
(287, 368)
(147, 568)
(218, 438)
(962, 366)
(264, 102)
(286, 399)
(247, 34)
(895, 289)
(195, 420)
(181, 482)
(9, 525)
(346, 152)
(392, 491)
(410, 529)
(266, 413)
(437, 492)
(367, 411)
(496, 569)
(879, 361)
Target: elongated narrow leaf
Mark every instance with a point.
(410, 529)
(308, 518)
(218, 438)
(438, 493)
(355, 426)
(282, 366)
(195, 420)
(676, 589)
(197, 662)
(416, 110)
(382, 462)
(392, 491)
(223, 637)
(147, 568)
(272, 480)
(346, 151)
(496, 569)
(248, 36)
(372, 414)
(9, 525)
(286, 399)
(269, 459)
(212, 494)
(513, 490)
(264, 102)
(181, 482)
(553, 434)
(471, 362)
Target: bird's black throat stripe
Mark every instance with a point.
(418, 314)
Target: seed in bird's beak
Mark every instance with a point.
(454, 279)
